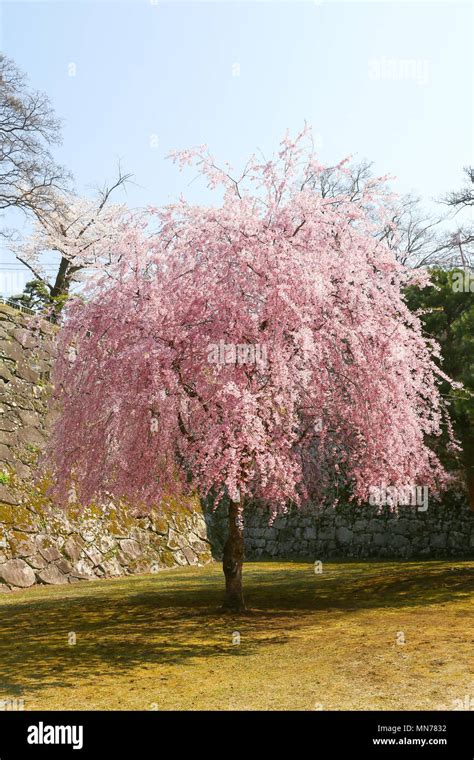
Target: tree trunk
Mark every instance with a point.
(233, 561)
(61, 284)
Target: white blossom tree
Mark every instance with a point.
(81, 232)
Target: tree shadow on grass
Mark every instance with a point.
(153, 622)
(363, 585)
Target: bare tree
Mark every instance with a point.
(458, 246)
(406, 228)
(29, 177)
(412, 233)
(464, 197)
(332, 183)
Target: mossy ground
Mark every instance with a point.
(312, 641)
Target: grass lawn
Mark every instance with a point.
(325, 641)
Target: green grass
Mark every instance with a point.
(311, 641)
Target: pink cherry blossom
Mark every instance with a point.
(349, 389)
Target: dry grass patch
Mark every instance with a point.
(311, 642)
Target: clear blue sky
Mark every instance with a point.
(391, 82)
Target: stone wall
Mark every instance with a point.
(25, 363)
(42, 544)
(445, 530)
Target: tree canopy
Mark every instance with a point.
(261, 348)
